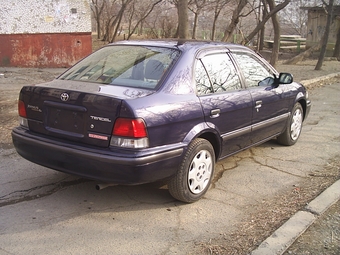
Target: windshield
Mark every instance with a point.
(124, 65)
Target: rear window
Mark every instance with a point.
(124, 65)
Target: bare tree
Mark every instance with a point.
(97, 7)
(234, 20)
(295, 18)
(329, 11)
(276, 46)
(276, 9)
(196, 7)
(108, 15)
(139, 13)
(218, 6)
(117, 21)
(336, 52)
(183, 26)
(260, 43)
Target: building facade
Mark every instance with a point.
(316, 25)
(44, 33)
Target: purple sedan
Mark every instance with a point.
(137, 112)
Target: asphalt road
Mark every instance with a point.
(46, 212)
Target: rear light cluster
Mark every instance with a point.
(22, 114)
(129, 133)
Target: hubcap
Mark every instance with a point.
(295, 127)
(200, 172)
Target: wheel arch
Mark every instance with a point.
(213, 140)
(303, 103)
(202, 130)
(300, 98)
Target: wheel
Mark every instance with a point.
(293, 128)
(194, 175)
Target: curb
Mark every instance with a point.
(319, 79)
(285, 236)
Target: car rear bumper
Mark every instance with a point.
(102, 165)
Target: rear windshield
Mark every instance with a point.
(124, 65)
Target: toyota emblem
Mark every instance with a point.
(64, 97)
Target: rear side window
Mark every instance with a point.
(216, 74)
(124, 65)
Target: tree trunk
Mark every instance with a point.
(303, 55)
(183, 26)
(262, 32)
(234, 20)
(97, 12)
(195, 25)
(325, 37)
(213, 29)
(336, 52)
(276, 46)
(216, 14)
(98, 29)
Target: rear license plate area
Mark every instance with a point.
(71, 121)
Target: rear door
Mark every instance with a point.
(226, 105)
(270, 103)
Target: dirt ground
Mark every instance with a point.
(327, 227)
(11, 81)
(260, 224)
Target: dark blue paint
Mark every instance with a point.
(173, 114)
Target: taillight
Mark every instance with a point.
(129, 133)
(22, 114)
(22, 109)
(129, 128)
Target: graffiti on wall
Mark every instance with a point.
(44, 16)
(63, 14)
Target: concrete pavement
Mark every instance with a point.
(285, 236)
(288, 233)
(57, 214)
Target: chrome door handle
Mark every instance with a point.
(215, 113)
(258, 104)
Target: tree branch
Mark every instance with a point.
(266, 18)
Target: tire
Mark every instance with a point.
(293, 129)
(195, 173)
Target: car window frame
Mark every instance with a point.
(211, 51)
(255, 55)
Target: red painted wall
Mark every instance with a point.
(44, 50)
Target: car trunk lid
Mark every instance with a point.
(76, 111)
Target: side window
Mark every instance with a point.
(254, 71)
(203, 85)
(215, 74)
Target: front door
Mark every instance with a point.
(270, 103)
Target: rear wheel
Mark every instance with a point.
(195, 172)
(293, 128)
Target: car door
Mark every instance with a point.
(226, 105)
(270, 103)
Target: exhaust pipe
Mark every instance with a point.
(103, 186)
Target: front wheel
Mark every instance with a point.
(195, 172)
(293, 128)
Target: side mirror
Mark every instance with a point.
(285, 78)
